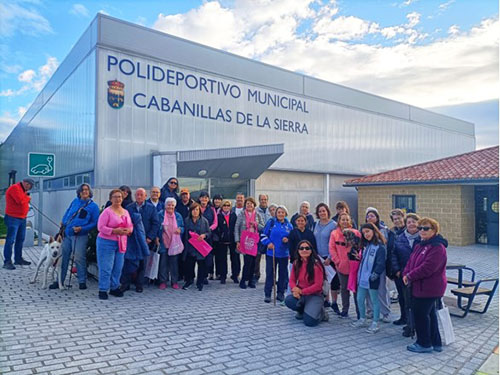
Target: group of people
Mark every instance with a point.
(309, 261)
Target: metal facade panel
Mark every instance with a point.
(125, 36)
(339, 139)
(435, 119)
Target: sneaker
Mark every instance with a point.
(200, 287)
(176, 286)
(210, 276)
(116, 292)
(251, 285)
(343, 315)
(326, 304)
(162, 286)
(358, 323)
(82, 286)
(386, 319)
(299, 316)
(399, 322)
(280, 297)
(22, 262)
(373, 328)
(139, 289)
(9, 266)
(235, 279)
(416, 348)
(335, 308)
(267, 299)
(326, 317)
(54, 285)
(103, 295)
(187, 284)
(438, 349)
(407, 332)
(243, 285)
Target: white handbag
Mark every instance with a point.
(444, 319)
(152, 265)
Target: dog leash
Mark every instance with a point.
(45, 216)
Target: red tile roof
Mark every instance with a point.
(475, 166)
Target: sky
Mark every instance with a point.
(441, 55)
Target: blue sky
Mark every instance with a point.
(440, 54)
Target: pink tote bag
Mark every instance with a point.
(201, 246)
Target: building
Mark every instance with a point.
(131, 105)
(460, 192)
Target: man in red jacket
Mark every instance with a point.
(17, 206)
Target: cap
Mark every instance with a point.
(218, 196)
(204, 194)
(373, 209)
(184, 191)
(29, 181)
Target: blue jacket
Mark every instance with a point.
(378, 265)
(401, 253)
(87, 218)
(149, 218)
(274, 232)
(180, 225)
(137, 247)
(159, 207)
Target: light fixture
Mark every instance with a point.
(235, 175)
(202, 172)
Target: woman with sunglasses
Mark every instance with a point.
(339, 251)
(306, 284)
(170, 190)
(225, 232)
(425, 272)
(370, 274)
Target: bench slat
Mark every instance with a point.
(470, 290)
(454, 280)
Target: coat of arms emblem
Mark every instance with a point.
(116, 95)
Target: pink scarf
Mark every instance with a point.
(250, 220)
(169, 228)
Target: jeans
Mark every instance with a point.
(221, 259)
(426, 323)
(110, 263)
(235, 261)
(16, 230)
(78, 244)
(344, 293)
(248, 268)
(169, 265)
(310, 306)
(373, 293)
(282, 263)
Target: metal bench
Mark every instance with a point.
(459, 280)
(471, 292)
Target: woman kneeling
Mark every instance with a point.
(306, 283)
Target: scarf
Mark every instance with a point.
(410, 237)
(226, 216)
(250, 220)
(169, 228)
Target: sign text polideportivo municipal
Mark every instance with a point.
(209, 86)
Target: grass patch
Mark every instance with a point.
(3, 228)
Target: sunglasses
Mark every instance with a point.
(173, 183)
(304, 248)
(226, 205)
(425, 229)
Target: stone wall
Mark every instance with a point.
(451, 205)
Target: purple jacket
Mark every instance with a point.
(426, 268)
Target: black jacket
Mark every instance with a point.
(224, 232)
(295, 237)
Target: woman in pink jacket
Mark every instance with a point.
(339, 250)
(114, 226)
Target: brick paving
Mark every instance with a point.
(222, 330)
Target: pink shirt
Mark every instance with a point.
(109, 221)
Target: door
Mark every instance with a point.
(487, 208)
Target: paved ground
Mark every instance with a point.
(222, 330)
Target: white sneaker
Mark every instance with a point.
(359, 323)
(373, 328)
(386, 319)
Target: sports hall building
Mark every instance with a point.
(131, 105)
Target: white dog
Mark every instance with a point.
(51, 256)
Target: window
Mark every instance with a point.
(79, 180)
(406, 203)
(86, 178)
(66, 182)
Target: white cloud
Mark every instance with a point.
(454, 30)
(15, 18)
(33, 81)
(79, 10)
(456, 69)
(7, 123)
(444, 6)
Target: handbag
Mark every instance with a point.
(176, 245)
(62, 228)
(444, 319)
(249, 242)
(152, 264)
(202, 247)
